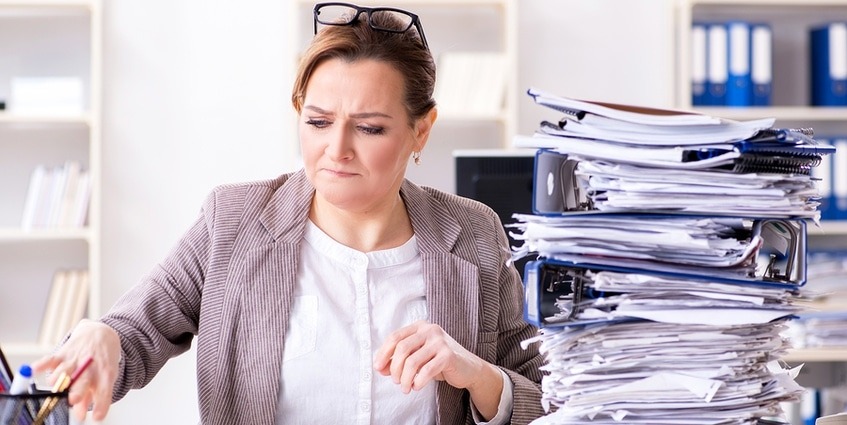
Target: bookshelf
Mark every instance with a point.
(453, 28)
(46, 39)
(790, 21)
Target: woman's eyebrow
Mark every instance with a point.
(356, 115)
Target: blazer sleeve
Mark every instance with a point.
(158, 318)
(521, 365)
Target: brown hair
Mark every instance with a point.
(358, 41)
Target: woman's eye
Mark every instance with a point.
(373, 131)
(317, 123)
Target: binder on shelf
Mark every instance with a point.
(716, 78)
(699, 63)
(839, 179)
(823, 182)
(739, 83)
(761, 64)
(828, 47)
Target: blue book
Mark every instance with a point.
(698, 64)
(739, 85)
(716, 76)
(761, 64)
(829, 65)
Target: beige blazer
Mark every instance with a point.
(229, 281)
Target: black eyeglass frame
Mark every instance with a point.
(416, 21)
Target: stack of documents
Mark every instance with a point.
(826, 329)
(660, 373)
(634, 159)
(671, 253)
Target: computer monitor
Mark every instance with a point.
(501, 179)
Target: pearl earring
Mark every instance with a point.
(416, 156)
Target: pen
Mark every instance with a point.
(62, 384)
(20, 385)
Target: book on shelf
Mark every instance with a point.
(471, 83)
(57, 197)
(731, 63)
(66, 304)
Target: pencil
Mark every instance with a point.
(62, 384)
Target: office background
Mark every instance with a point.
(196, 93)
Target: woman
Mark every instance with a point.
(298, 288)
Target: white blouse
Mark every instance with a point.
(346, 304)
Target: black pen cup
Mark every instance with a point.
(38, 408)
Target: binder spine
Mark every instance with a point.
(839, 179)
(761, 64)
(829, 65)
(739, 84)
(699, 64)
(717, 69)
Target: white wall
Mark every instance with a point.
(610, 50)
(196, 94)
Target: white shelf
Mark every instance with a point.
(44, 119)
(801, 355)
(20, 235)
(401, 3)
(784, 3)
(50, 4)
(781, 113)
(829, 228)
(50, 37)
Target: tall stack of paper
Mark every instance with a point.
(672, 250)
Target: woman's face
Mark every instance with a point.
(355, 135)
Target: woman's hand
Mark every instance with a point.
(88, 339)
(421, 352)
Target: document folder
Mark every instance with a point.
(774, 254)
(558, 189)
(782, 266)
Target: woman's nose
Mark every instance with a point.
(339, 146)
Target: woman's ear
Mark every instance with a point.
(423, 126)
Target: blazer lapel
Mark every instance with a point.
(452, 286)
(268, 275)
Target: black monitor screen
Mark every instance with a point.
(500, 179)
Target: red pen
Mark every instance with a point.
(79, 371)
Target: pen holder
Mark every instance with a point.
(39, 408)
